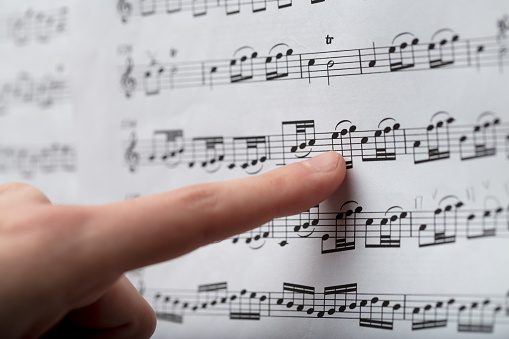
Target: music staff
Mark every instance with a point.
(446, 50)
(343, 230)
(29, 160)
(42, 92)
(34, 26)
(469, 313)
(145, 8)
(440, 140)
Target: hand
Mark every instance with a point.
(62, 266)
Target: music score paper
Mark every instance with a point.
(108, 100)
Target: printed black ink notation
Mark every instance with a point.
(146, 8)
(38, 92)
(34, 26)
(469, 313)
(406, 53)
(441, 139)
(27, 161)
(352, 225)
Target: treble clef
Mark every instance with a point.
(125, 9)
(132, 157)
(128, 82)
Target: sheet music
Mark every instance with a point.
(36, 110)
(134, 97)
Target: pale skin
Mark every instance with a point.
(62, 266)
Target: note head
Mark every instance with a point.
(331, 311)
(263, 298)
(438, 211)
(378, 133)
(289, 52)
(440, 124)
(415, 41)
(403, 215)
(314, 222)
(394, 218)
(293, 149)
(335, 135)
(364, 303)
(173, 154)
(455, 38)
(204, 305)
(443, 42)
(233, 297)
(305, 225)
(372, 63)
(431, 46)
(392, 49)
(325, 237)
(496, 121)
(254, 55)
(244, 58)
(233, 62)
(417, 143)
(299, 308)
(384, 221)
(235, 240)
(387, 129)
(248, 240)
(279, 55)
(369, 222)
(244, 165)
(164, 157)
(214, 302)
(427, 307)
(203, 164)
(231, 166)
(265, 234)
(439, 304)
(279, 301)
(257, 237)
(352, 306)
(311, 62)
(283, 243)
(358, 209)
(480, 48)
(194, 308)
(459, 204)
(344, 131)
(311, 142)
(302, 146)
(430, 128)
(471, 216)
(403, 45)
(254, 162)
(263, 159)
(213, 69)
(422, 227)
(364, 140)
(385, 303)
(320, 314)
(349, 213)
(339, 216)
(191, 164)
(310, 311)
(416, 310)
(463, 138)
(396, 307)
(289, 304)
(448, 208)
(151, 157)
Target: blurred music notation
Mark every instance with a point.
(406, 53)
(39, 91)
(128, 8)
(34, 26)
(441, 139)
(473, 313)
(344, 229)
(30, 160)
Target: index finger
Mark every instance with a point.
(160, 227)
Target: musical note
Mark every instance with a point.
(35, 26)
(471, 312)
(27, 161)
(406, 53)
(198, 8)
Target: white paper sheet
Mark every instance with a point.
(172, 93)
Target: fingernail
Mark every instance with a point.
(324, 162)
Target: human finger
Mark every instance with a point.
(18, 194)
(152, 229)
(121, 312)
